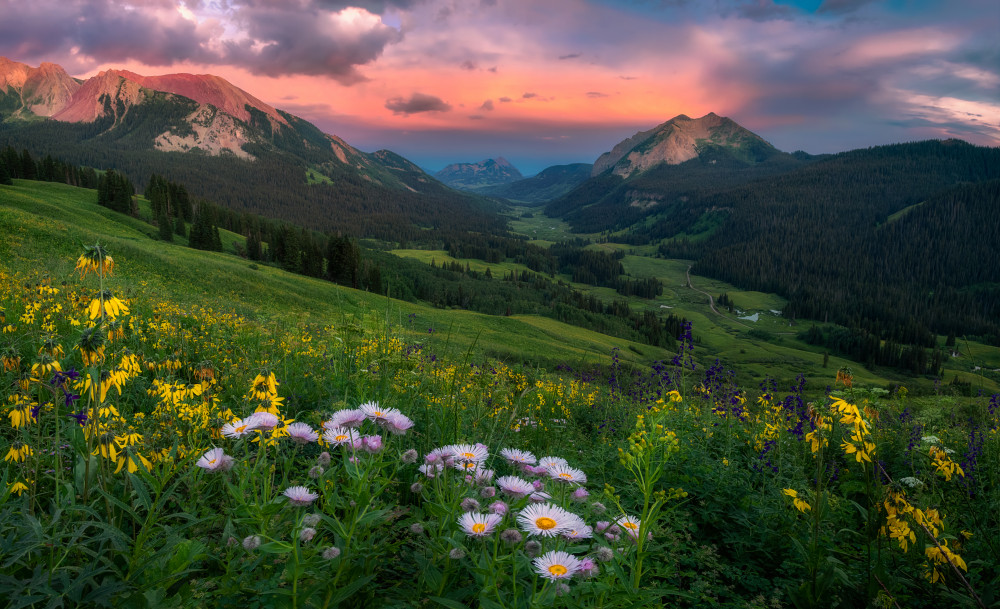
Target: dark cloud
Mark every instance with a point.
(418, 102)
(570, 56)
(468, 65)
(476, 117)
(276, 38)
(529, 95)
(506, 100)
(487, 105)
(628, 77)
(493, 69)
(596, 94)
(100, 30)
(281, 41)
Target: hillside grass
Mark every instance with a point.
(43, 226)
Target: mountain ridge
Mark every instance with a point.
(681, 139)
(475, 176)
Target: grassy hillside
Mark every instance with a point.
(44, 225)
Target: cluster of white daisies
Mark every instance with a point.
(540, 517)
(341, 429)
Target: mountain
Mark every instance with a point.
(477, 176)
(27, 91)
(227, 146)
(682, 139)
(655, 171)
(548, 184)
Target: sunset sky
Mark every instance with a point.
(544, 82)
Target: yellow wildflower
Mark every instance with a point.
(133, 459)
(95, 259)
(19, 451)
(800, 505)
(108, 304)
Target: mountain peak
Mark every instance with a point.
(678, 140)
(485, 173)
(41, 91)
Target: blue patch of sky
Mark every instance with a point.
(808, 6)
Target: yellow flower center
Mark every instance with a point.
(340, 438)
(558, 570)
(565, 475)
(468, 455)
(478, 527)
(241, 429)
(545, 523)
(630, 525)
(378, 413)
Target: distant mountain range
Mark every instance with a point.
(228, 146)
(476, 176)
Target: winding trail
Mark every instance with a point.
(711, 300)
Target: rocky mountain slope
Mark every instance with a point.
(681, 139)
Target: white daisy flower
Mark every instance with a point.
(479, 525)
(299, 495)
(539, 497)
(567, 474)
(431, 469)
(237, 429)
(262, 420)
(577, 529)
(550, 462)
(514, 486)
(214, 460)
(302, 433)
(345, 418)
(397, 423)
(343, 436)
(374, 412)
(556, 565)
(521, 457)
(631, 524)
(469, 452)
(544, 519)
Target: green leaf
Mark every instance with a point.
(140, 490)
(345, 592)
(276, 547)
(447, 602)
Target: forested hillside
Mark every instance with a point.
(389, 199)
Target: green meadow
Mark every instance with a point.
(248, 438)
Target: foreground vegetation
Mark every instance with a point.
(162, 452)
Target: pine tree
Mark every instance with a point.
(165, 227)
(28, 169)
(253, 245)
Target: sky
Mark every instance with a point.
(546, 82)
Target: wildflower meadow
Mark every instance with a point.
(159, 455)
